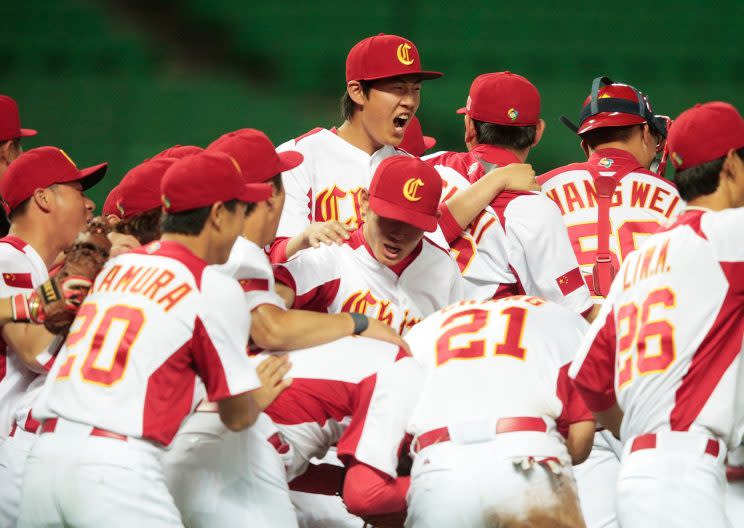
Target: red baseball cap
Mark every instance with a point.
(613, 104)
(704, 133)
(40, 168)
(139, 189)
(202, 180)
(503, 98)
(384, 56)
(414, 141)
(10, 120)
(178, 152)
(407, 189)
(109, 206)
(255, 153)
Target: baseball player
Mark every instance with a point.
(414, 141)
(387, 269)
(43, 195)
(325, 194)
(489, 413)
(502, 252)
(660, 367)
(178, 152)
(612, 202)
(10, 142)
(155, 319)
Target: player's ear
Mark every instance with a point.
(43, 199)
(539, 130)
(585, 148)
(363, 203)
(469, 130)
(354, 88)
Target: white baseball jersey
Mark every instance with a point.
(667, 345)
(22, 270)
(329, 183)
(155, 319)
(502, 252)
(348, 278)
(330, 383)
(249, 264)
(642, 203)
(486, 360)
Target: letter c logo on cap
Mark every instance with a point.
(404, 55)
(410, 188)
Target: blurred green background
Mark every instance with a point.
(121, 80)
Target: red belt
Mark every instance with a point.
(49, 426)
(503, 425)
(648, 441)
(734, 473)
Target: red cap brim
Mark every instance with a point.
(90, 176)
(424, 75)
(27, 132)
(256, 192)
(289, 160)
(461, 111)
(390, 210)
(605, 119)
(429, 142)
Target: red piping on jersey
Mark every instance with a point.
(14, 241)
(317, 299)
(178, 252)
(595, 378)
(718, 350)
(307, 134)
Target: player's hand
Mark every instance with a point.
(271, 372)
(330, 232)
(517, 177)
(121, 243)
(379, 330)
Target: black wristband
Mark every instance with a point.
(361, 322)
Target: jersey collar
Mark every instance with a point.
(492, 154)
(615, 160)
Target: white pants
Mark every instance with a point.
(219, 478)
(74, 479)
(675, 485)
(596, 481)
(478, 485)
(13, 455)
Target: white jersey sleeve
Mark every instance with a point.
(314, 275)
(378, 424)
(250, 266)
(541, 252)
(297, 212)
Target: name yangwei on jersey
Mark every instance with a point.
(22, 270)
(641, 204)
(332, 385)
(348, 278)
(486, 360)
(667, 345)
(328, 185)
(155, 319)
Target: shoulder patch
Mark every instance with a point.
(18, 280)
(308, 134)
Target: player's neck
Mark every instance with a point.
(353, 133)
(617, 145)
(45, 242)
(715, 202)
(520, 154)
(253, 230)
(198, 244)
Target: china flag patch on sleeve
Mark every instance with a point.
(570, 282)
(18, 280)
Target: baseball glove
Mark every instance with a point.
(56, 302)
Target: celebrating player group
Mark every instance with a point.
(346, 331)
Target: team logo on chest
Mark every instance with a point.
(404, 54)
(410, 188)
